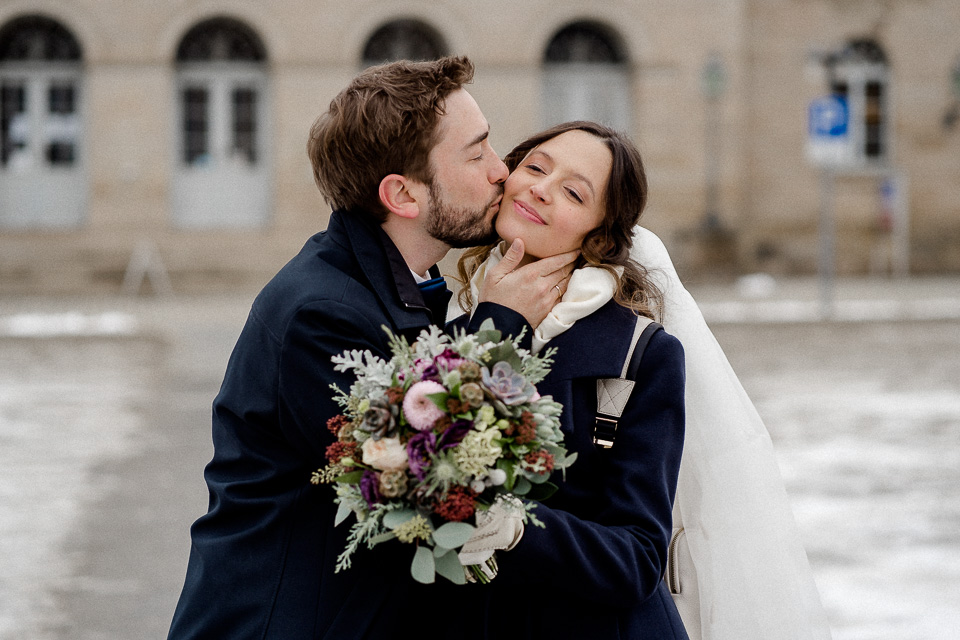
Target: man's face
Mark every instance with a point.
(467, 176)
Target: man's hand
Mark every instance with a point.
(531, 290)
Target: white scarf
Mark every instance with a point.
(589, 289)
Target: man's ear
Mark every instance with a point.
(398, 197)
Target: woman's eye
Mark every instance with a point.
(534, 167)
(575, 196)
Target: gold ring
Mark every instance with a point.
(559, 293)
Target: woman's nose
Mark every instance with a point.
(539, 191)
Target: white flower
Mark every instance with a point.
(385, 454)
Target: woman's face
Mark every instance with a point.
(555, 195)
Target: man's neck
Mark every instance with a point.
(419, 250)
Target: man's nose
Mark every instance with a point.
(499, 171)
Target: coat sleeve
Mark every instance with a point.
(316, 333)
(616, 557)
(505, 319)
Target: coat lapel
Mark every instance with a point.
(390, 280)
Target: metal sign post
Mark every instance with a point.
(829, 147)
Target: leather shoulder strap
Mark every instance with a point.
(613, 393)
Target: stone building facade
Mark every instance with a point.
(139, 134)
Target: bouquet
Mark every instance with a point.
(432, 438)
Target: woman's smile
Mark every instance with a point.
(527, 212)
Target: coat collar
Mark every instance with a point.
(595, 347)
(383, 266)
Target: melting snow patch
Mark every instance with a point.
(48, 325)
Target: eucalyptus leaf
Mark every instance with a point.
(343, 512)
(541, 492)
(523, 486)
(537, 478)
(488, 332)
(423, 568)
(448, 565)
(453, 535)
(505, 352)
(394, 519)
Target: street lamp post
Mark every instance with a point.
(713, 80)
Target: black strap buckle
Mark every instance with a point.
(604, 432)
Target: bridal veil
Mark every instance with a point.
(754, 578)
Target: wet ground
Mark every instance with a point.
(104, 431)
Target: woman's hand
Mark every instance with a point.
(531, 290)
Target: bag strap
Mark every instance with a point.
(613, 393)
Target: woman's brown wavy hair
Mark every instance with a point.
(608, 246)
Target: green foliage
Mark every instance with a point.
(453, 535)
(353, 477)
(423, 568)
(542, 491)
(448, 566)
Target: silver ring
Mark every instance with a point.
(559, 293)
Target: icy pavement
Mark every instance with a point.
(104, 431)
(865, 419)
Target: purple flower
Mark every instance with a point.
(449, 360)
(507, 385)
(370, 487)
(419, 449)
(426, 370)
(455, 433)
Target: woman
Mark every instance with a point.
(595, 569)
(752, 577)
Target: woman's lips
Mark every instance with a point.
(526, 212)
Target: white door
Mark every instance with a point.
(221, 178)
(586, 91)
(43, 182)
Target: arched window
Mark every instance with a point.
(860, 74)
(403, 40)
(586, 77)
(221, 178)
(42, 177)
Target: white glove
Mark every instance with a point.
(499, 527)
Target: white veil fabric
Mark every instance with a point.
(755, 582)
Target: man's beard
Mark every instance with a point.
(460, 227)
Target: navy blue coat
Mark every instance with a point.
(595, 570)
(262, 559)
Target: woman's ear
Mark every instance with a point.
(398, 195)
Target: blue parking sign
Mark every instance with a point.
(829, 116)
(829, 141)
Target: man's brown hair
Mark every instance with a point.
(384, 122)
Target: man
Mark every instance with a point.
(404, 159)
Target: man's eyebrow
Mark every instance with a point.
(480, 138)
(578, 176)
